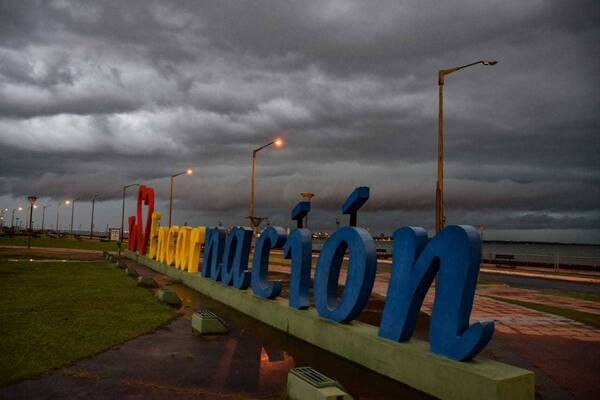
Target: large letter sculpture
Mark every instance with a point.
(153, 244)
(132, 241)
(361, 269)
(235, 258)
(454, 255)
(270, 238)
(298, 248)
(196, 241)
(182, 251)
(145, 196)
(172, 244)
(213, 253)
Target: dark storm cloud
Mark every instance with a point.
(94, 95)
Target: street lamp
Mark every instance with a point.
(254, 220)
(32, 200)
(44, 216)
(440, 218)
(12, 221)
(72, 214)
(66, 202)
(188, 171)
(123, 209)
(92, 223)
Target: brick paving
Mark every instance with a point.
(510, 318)
(534, 296)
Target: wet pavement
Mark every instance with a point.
(249, 362)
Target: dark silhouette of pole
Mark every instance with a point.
(123, 209)
(255, 221)
(43, 216)
(188, 171)
(92, 223)
(72, 214)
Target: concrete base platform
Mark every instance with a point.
(410, 363)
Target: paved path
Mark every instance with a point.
(533, 296)
(509, 318)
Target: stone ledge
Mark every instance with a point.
(410, 363)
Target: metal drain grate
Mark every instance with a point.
(207, 314)
(314, 377)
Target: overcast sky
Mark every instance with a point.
(95, 95)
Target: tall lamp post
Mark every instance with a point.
(44, 216)
(254, 220)
(60, 203)
(72, 214)
(92, 223)
(188, 171)
(2, 216)
(32, 200)
(123, 209)
(440, 218)
(12, 221)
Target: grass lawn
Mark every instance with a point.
(64, 242)
(52, 314)
(579, 316)
(574, 295)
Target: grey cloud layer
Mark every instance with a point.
(97, 94)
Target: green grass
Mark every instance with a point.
(64, 242)
(573, 295)
(487, 282)
(52, 314)
(579, 316)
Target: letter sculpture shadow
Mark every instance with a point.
(235, 258)
(454, 255)
(213, 253)
(271, 238)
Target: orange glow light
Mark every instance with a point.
(278, 142)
